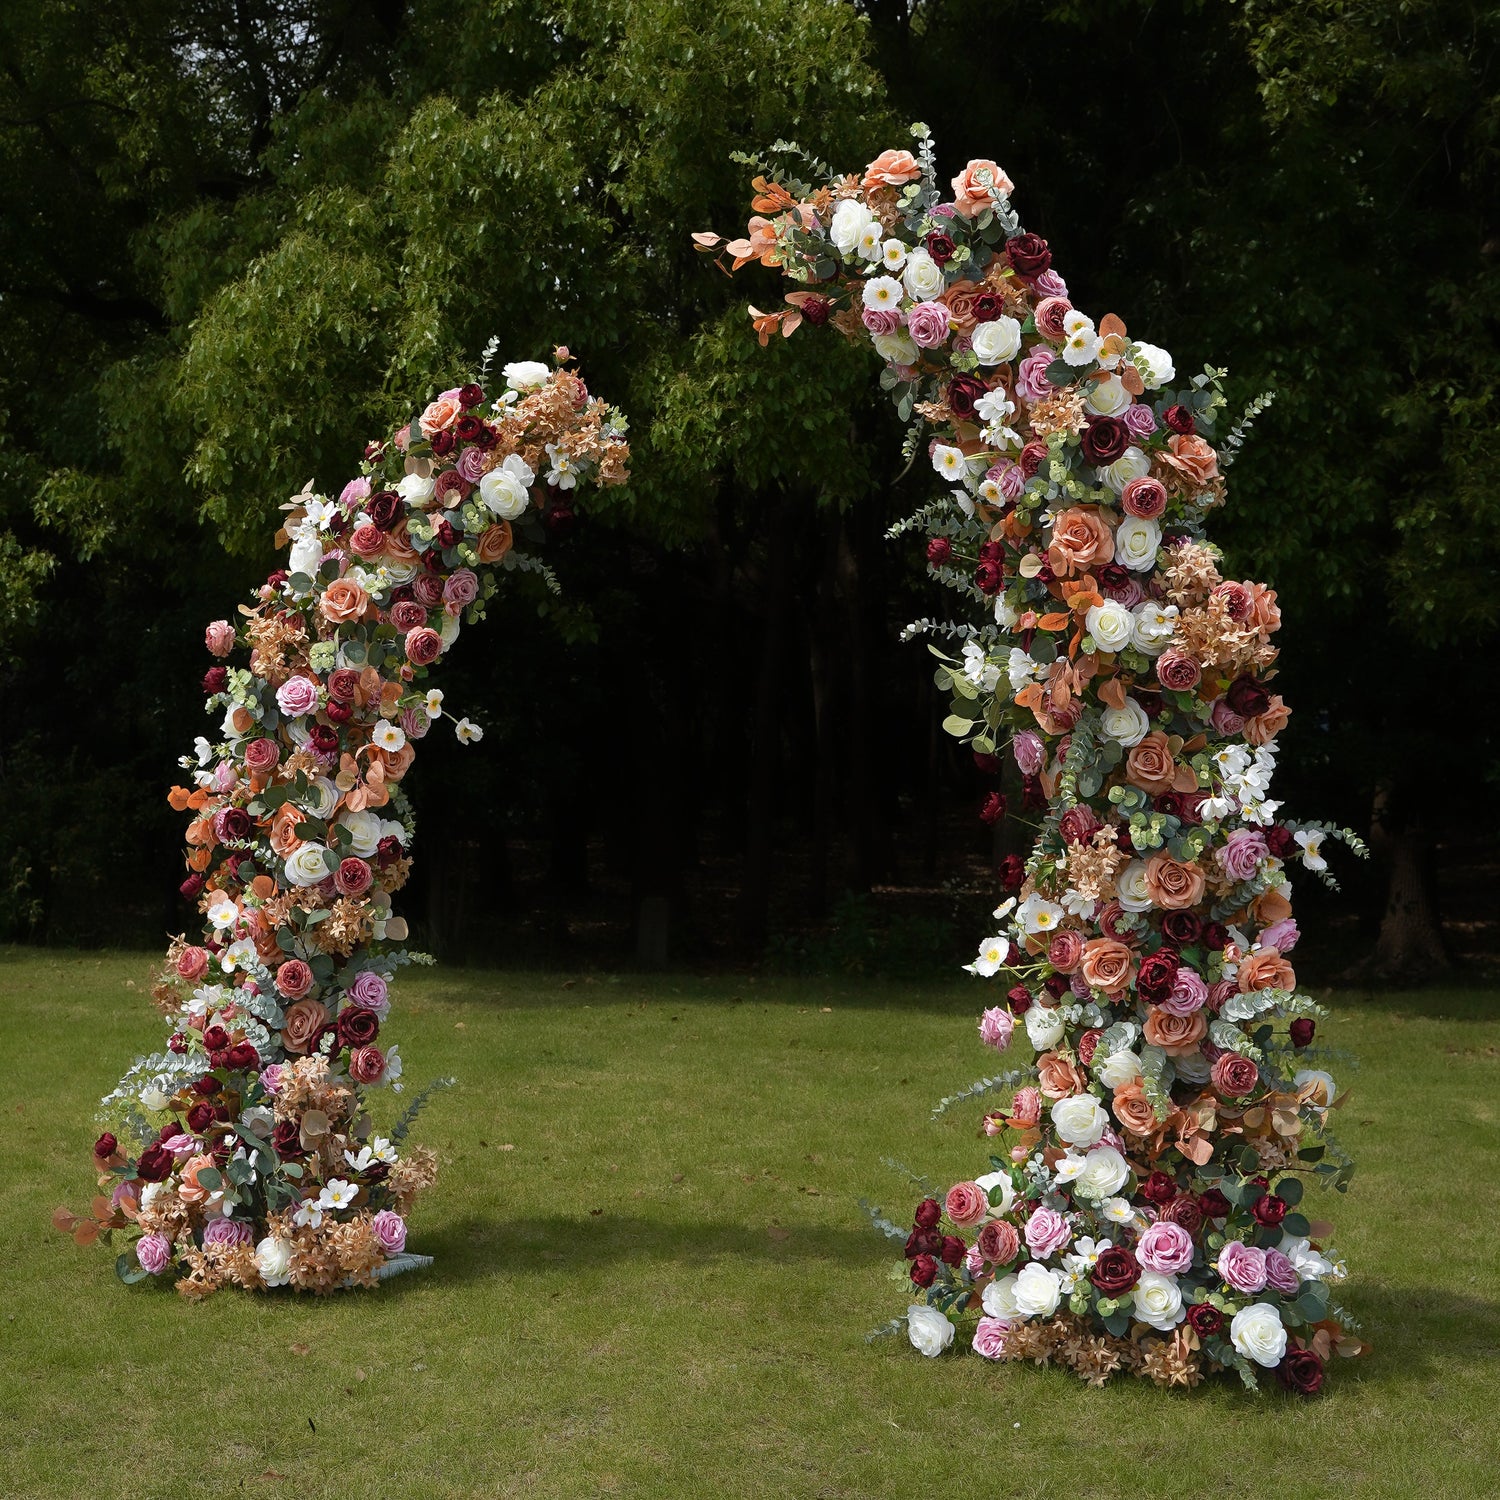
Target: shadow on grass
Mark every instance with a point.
(1416, 1331)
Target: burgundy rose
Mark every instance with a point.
(1214, 1204)
(276, 577)
(1079, 824)
(200, 1117)
(243, 1058)
(1018, 998)
(387, 849)
(1154, 978)
(986, 763)
(408, 615)
(815, 310)
(469, 395)
(1012, 871)
(1104, 440)
(156, 1161)
(215, 680)
(105, 1146)
(1302, 1371)
(1088, 1044)
(339, 713)
(1178, 418)
(993, 809)
(941, 247)
(1158, 1188)
(1233, 1076)
(1057, 985)
(1281, 841)
(324, 739)
(929, 1214)
(1215, 935)
(443, 443)
(286, 1138)
(1029, 255)
(939, 551)
(1302, 1030)
(1181, 928)
(1205, 1320)
(384, 509)
(208, 1086)
(1031, 458)
(953, 1250)
(987, 578)
(965, 392)
(1116, 1271)
(177, 1043)
(1247, 697)
(170, 1130)
(1184, 1211)
(446, 535)
(486, 437)
(924, 1270)
(467, 428)
(991, 552)
(1269, 1210)
(215, 1039)
(357, 1027)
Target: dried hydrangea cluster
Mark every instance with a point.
(243, 1153)
(1142, 1210)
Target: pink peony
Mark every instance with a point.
(881, 319)
(1144, 497)
(1026, 1107)
(1050, 312)
(367, 1065)
(967, 1203)
(227, 1232)
(1177, 670)
(297, 696)
(461, 588)
(1242, 1266)
(270, 1078)
(998, 1242)
(1165, 1247)
(1241, 853)
(261, 756)
(192, 963)
(995, 1027)
(472, 465)
(423, 646)
(219, 638)
(927, 323)
(989, 1337)
(1065, 951)
(294, 979)
(1030, 753)
(1046, 1231)
(390, 1230)
(355, 491)
(1009, 476)
(154, 1251)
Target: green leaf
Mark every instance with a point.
(1295, 1225)
(1290, 1190)
(958, 727)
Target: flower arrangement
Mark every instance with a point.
(1143, 1208)
(242, 1153)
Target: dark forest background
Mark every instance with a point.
(237, 237)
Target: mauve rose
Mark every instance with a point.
(927, 323)
(192, 963)
(358, 1027)
(989, 1337)
(1184, 1210)
(964, 394)
(881, 320)
(928, 1214)
(1242, 1266)
(461, 588)
(1032, 386)
(1030, 461)
(924, 1270)
(354, 492)
(221, 1231)
(1283, 936)
(371, 991)
(1301, 1031)
(1030, 754)
(1046, 1231)
(423, 646)
(262, 756)
(219, 638)
(1205, 1320)
(1065, 951)
(1008, 476)
(1301, 1370)
(366, 1065)
(343, 684)
(1050, 284)
(352, 878)
(998, 1242)
(1104, 440)
(154, 1164)
(967, 1204)
(1028, 254)
(154, 1252)
(1225, 720)
(471, 465)
(1144, 497)
(1049, 315)
(1188, 993)
(384, 509)
(1165, 1247)
(1247, 697)
(390, 1229)
(1139, 420)
(1239, 856)
(408, 615)
(1177, 670)
(294, 979)
(1115, 1271)
(1281, 1274)
(366, 541)
(297, 696)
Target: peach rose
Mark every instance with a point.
(1134, 1110)
(1107, 965)
(890, 169)
(284, 837)
(494, 542)
(302, 1023)
(1172, 885)
(1058, 1077)
(191, 1190)
(959, 300)
(1193, 458)
(1265, 612)
(1271, 906)
(1177, 1035)
(343, 602)
(1266, 970)
(1150, 765)
(396, 762)
(1263, 728)
(971, 188)
(398, 544)
(1081, 539)
(440, 415)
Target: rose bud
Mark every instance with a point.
(215, 680)
(1302, 1030)
(340, 713)
(987, 578)
(924, 1270)
(1205, 1320)
(1214, 1204)
(105, 1146)
(1178, 418)
(200, 1117)
(208, 1086)
(1018, 998)
(939, 551)
(815, 310)
(191, 886)
(215, 1039)
(1269, 1210)
(276, 578)
(470, 395)
(243, 1057)
(994, 808)
(953, 1250)
(177, 1042)
(155, 1163)
(929, 1213)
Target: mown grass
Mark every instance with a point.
(653, 1278)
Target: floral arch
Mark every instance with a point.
(1143, 1208)
(241, 1152)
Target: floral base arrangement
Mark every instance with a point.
(1143, 1208)
(242, 1153)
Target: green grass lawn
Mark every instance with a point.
(653, 1277)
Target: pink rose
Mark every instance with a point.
(995, 1028)
(1031, 375)
(1139, 420)
(1050, 284)
(1046, 1231)
(219, 638)
(367, 1065)
(352, 878)
(1240, 855)
(989, 1337)
(1030, 753)
(154, 1251)
(440, 415)
(371, 991)
(390, 1230)
(355, 491)
(427, 588)
(1165, 1247)
(1050, 312)
(1065, 951)
(415, 722)
(423, 646)
(971, 188)
(1144, 497)
(1026, 1107)
(227, 1232)
(192, 963)
(1234, 1076)
(927, 323)
(1177, 670)
(1188, 994)
(967, 1204)
(294, 979)
(297, 696)
(1243, 1266)
(472, 465)
(462, 588)
(1225, 720)
(1282, 935)
(998, 1242)
(1281, 1273)
(408, 615)
(881, 319)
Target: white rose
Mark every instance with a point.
(307, 555)
(1158, 1301)
(1257, 1333)
(1129, 724)
(1131, 464)
(504, 494)
(1080, 1120)
(525, 374)
(1043, 1027)
(320, 798)
(150, 1193)
(849, 221)
(1325, 1094)
(1131, 890)
(1155, 365)
(364, 832)
(1108, 398)
(1120, 1069)
(996, 342)
(992, 1180)
(1104, 1174)
(1154, 628)
(999, 1299)
(308, 865)
(273, 1259)
(1137, 542)
(922, 276)
(416, 489)
(155, 1098)
(930, 1332)
(1110, 624)
(896, 348)
(1038, 1291)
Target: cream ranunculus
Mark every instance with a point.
(1111, 625)
(996, 342)
(1131, 464)
(273, 1259)
(1080, 1120)
(999, 1298)
(896, 348)
(1137, 543)
(1257, 1333)
(930, 1332)
(309, 864)
(1129, 724)
(1038, 1291)
(1108, 398)
(1155, 365)
(364, 832)
(1131, 890)
(1043, 1027)
(850, 219)
(922, 276)
(1104, 1173)
(1158, 1301)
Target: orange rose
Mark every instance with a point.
(344, 602)
(1150, 765)
(1081, 539)
(494, 543)
(1271, 906)
(1193, 458)
(1173, 886)
(284, 837)
(1107, 965)
(971, 188)
(440, 415)
(1263, 728)
(191, 1190)
(1266, 970)
(959, 300)
(1134, 1110)
(396, 762)
(1265, 613)
(1177, 1035)
(890, 169)
(302, 1023)
(1059, 1078)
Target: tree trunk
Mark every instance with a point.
(1410, 945)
